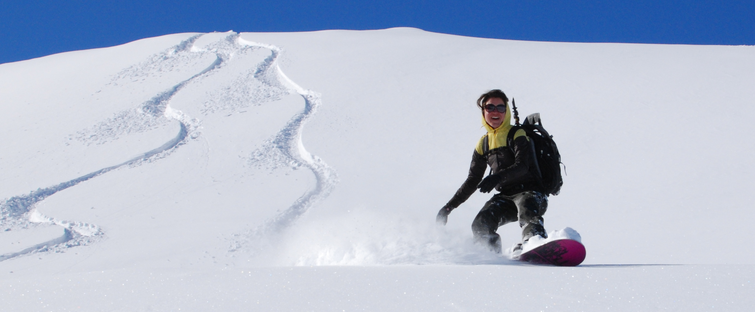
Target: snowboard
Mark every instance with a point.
(562, 252)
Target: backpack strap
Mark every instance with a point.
(486, 149)
(510, 135)
(485, 145)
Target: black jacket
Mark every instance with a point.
(510, 160)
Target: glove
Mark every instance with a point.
(442, 217)
(489, 183)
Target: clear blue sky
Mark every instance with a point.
(34, 28)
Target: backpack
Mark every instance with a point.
(548, 160)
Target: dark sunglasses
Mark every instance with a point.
(500, 107)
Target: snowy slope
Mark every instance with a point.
(645, 131)
(214, 166)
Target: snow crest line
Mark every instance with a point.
(287, 147)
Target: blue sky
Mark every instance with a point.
(34, 28)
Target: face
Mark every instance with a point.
(494, 118)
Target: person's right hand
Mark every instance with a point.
(442, 217)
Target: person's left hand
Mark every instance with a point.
(489, 183)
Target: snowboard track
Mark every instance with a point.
(19, 212)
(287, 148)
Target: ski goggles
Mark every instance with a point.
(501, 108)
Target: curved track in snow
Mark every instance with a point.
(19, 211)
(287, 144)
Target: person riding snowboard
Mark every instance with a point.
(510, 162)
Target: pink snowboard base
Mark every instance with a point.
(563, 252)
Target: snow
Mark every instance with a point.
(303, 171)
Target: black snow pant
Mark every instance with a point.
(527, 207)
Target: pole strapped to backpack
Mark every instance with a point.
(516, 112)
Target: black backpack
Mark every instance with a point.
(548, 168)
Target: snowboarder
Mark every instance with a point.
(510, 161)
